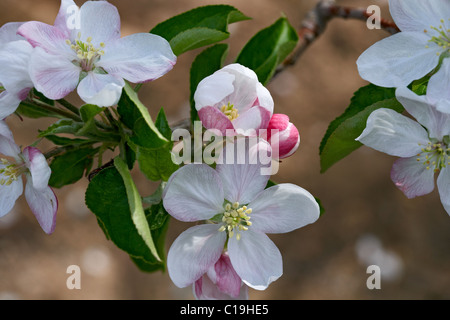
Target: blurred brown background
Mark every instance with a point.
(367, 220)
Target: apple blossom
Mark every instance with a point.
(233, 99)
(31, 163)
(283, 136)
(241, 211)
(94, 58)
(15, 82)
(415, 51)
(423, 146)
(220, 282)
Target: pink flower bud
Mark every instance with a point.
(283, 136)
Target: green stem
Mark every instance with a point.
(56, 110)
(66, 104)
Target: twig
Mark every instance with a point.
(316, 22)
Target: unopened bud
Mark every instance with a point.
(283, 135)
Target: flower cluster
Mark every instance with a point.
(231, 251)
(419, 51)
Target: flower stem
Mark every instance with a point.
(48, 107)
(66, 104)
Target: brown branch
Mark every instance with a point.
(316, 22)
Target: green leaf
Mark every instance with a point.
(339, 140)
(198, 27)
(71, 166)
(136, 208)
(30, 111)
(204, 65)
(88, 113)
(162, 125)
(156, 164)
(64, 141)
(62, 126)
(136, 116)
(268, 48)
(107, 198)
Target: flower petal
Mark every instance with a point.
(412, 177)
(212, 118)
(8, 33)
(205, 289)
(8, 104)
(417, 15)
(253, 119)
(193, 253)
(193, 193)
(265, 99)
(283, 208)
(240, 171)
(256, 259)
(54, 76)
(99, 20)
(138, 58)
(14, 62)
(398, 60)
(212, 90)
(9, 195)
(390, 132)
(66, 16)
(437, 123)
(44, 205)
(38, 166)
(443, 183)
(7, 145)
(103, 90)
(439, 85)
(226, 278)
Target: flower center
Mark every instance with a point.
(230, 111)
(10, 172)
(235, 219)
(434, 156)
(442, 39)
(87, 54)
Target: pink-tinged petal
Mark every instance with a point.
(240, 170)
(399, 59)
(443, 184)
(205, 289)
(193, 193)
(103, 90)
(193, 253)
(101, 21)
(254, 118)
(14, 63)
(53, 75)
(139, 57)
(67, 17)
(390, 132)
(49, 38)
(283, 208)
(436, 122)
(226, 278)
(412, 177)
(439, 85)
(283, 136)
(9, 194)
(214, 89)
(38, 166)
(212, 118)
(8, 104)
(256, 259)
(417, 15)
(8, 33)
(44, 205)
(7, 145)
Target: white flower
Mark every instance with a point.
(414, 52)
(423, 146)
(233, 197)
(31, 163)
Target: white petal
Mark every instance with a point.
(9, 195)
(7, 145)
(193, 253)
(437, 123)
(254, 118)
(8, 32)
(265, 99)
(244, 94)
(398, 60)
(213, 89)
(44, 205)
(8, 104)
(38, 166)
(14, 64)
(138, 58)
(417, 15)
(283, 208)
(67, 17)
(256, 259)
(103, 90)
(412, 177)
(193, 193)
(439, 85)
(443, 183)
(55, 76)
(100, 20)
(241, 171)
(390, 132)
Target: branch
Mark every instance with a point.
(316, 22)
